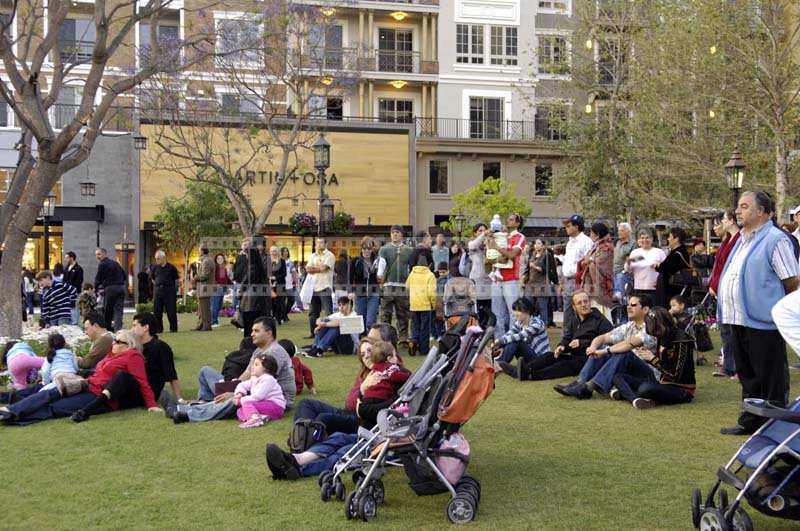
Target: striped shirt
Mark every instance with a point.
(534, 332)
(630, 330)
(58, 301)
(783, 262)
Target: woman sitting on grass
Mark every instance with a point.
(119, 382)
(527, 339)
(260, 398)
(672, 357)
(322, 456)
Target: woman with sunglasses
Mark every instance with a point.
(119, 382)
(672, 357)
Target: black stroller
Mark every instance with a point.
(765, 472)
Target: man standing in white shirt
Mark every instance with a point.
(578, 246)
(320, 267)
(795, 213)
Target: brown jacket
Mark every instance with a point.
(100, 348)
(205, 277)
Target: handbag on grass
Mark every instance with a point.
(70, 384)
(228, 386)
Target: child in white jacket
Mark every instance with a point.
(58, 360)
(260, 398)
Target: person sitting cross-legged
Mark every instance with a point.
(527, 339)
(672, 357)
(570, 354)
(610, 353)
(327, 335)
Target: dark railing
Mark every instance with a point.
(505, 130)
(117, 118)
(76, 51)
(398, 61)
(351, 59)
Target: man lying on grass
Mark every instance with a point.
(611, 353)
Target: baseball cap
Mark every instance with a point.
(575, 219)
(795, 210)
(398, 228)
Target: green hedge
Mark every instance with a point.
(189, 307)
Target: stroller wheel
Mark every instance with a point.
(357, 475)
(723, 500)
(461, 509)
(367, 508)
(741, 520)
(326, 491)
(323, 476)
(378, 491)
(339, 489)
(350, 506)
(712, 520)
(471, 485)
(469, 489)
(697, 499)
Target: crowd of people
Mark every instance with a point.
(627, 330)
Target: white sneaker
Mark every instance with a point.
(614, 394)
(643, 403)
(215, 325)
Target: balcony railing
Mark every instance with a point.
(352, 59)
(117, 118)
(504, 130)
(76, 51)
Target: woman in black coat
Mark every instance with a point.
(677, 260)
(248, 270)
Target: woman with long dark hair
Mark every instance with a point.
(671, 272)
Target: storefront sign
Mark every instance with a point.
(273, 177)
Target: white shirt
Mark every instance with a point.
(289, 274)
(641, 266)
(786, 315)
(782, 261)
(324, 280)
(577, 247)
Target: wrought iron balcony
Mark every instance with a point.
(501, 130)
(76, 51)
(353, 59)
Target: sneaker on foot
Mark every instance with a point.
(253, 422)
(282, 464)
(643, 403)
(614, 394)
(79, 416)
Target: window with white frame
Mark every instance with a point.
(166, 34)
(543, 180)
(325, 46)
(66, 106)
(554, 6)
(492, 170)
(469, 44)
(553, 54)
(76, 38)
(239, 39)
(395, 111)
(551, 121)
(437, 177)
(503, 49)
(486, 117)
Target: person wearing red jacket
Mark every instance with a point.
(380, 386)
(119, 382)
(302, 374)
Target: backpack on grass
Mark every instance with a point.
(305, 433)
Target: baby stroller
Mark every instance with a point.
(765, 471)
(412, 396)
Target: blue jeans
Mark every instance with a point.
(367, 306)
(542, 304)
(600, 370)
(47, 405)
(335, 419)
(206, 380)
(216, 304)
(504, 294)
(330, 337)
(623, 282)
(329, 451)
(517, 349)
(29, 302)
(235, 300)
(60, 321)
(210, 411)
(421, 330)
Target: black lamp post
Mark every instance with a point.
(46, 212)
(734, 174)
(460, 221)
(322, 161)
(89, 190)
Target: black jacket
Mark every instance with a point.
(74, 277)
(279, 272)
(585, 331)
(109, 273)
(248, 270)
(364, 275)
(421, 251)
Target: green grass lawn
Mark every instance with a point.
(544, 461)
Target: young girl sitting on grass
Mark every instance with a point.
(22, 363)
(380, 386)
(260, 398)
(58, 360)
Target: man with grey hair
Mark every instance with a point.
(165, 286)
(622, 251)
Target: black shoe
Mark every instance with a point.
(80, 416)
(282, 464)
(736, 430)
(508, 369)
(179, 417)
(313, 353)
(522, 369)
(165, 400)
(563, 388)
(576, 389)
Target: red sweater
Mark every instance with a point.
(719, 261)
(302, 374)
(393, 377)
(130, 361)
(352, 396)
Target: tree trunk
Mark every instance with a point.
(10, 278)
(781, 165)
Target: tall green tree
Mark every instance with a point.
(202, 212)
(484, 200)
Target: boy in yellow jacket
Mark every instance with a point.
(421, 287)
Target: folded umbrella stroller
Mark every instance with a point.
(423, 433)
(765, 472)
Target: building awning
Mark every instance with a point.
(543, 223)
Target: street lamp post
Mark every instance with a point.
(460, 221)
(89, 190)
(48, 208)
(322, 161)
(734, 174)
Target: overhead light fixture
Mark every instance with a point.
(398, 83)
(327, 11)
(398, 15)
(588, 108)
(589, 44)
(326, 81)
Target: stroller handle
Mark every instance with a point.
(763, 408)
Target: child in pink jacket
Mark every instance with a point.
(260, 398)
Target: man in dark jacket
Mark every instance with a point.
(248, 270)
(73, 275)
(110, 280)
(570, 354)
(165, 285)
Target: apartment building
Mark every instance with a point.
(448, 92)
